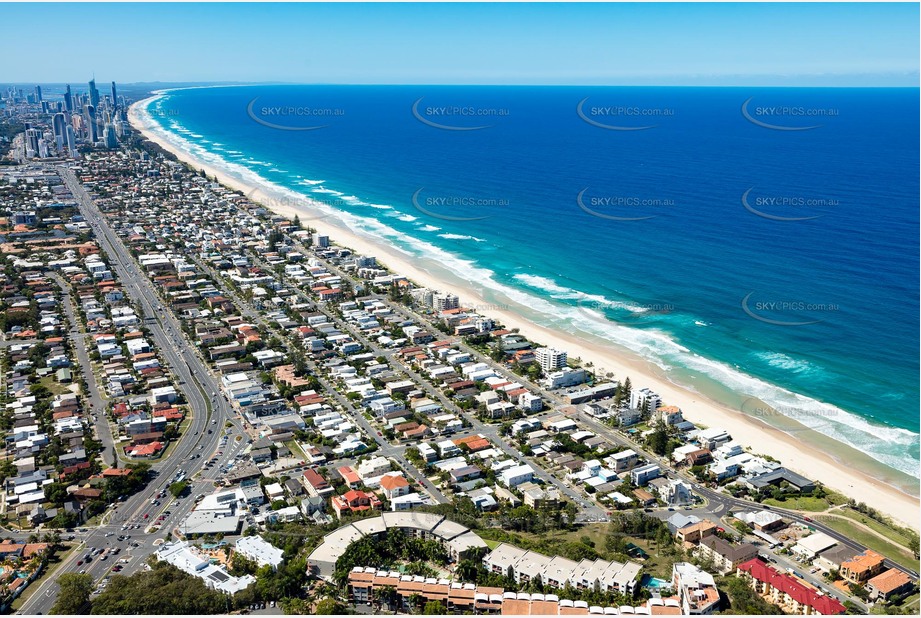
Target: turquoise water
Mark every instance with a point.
(655, 582)
(818, 317)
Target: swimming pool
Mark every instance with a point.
(655, 582)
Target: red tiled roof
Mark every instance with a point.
(890, 580)
(790, 585)
(349, 475)
(393, 482)
(313, 477)
(116, 472)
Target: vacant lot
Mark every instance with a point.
(887, 548)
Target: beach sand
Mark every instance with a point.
(762, 438)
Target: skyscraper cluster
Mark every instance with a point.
(56, 125)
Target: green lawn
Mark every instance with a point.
(859, 535)
(295, 449)
(54, 386)
(799, 504)
(491, 544)
(890, 533)
(834, 498)
(657, 565)
(911, 601)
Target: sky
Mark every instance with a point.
(850, 44)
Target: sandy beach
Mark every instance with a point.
(798, 455)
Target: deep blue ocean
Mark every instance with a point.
(708, 230)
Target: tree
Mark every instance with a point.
(74, 594)
(329, 607)
(177, 488)
(744, 600)
(913, 545)
(162, 590)
(56, 493)
(742, 527)
(434, 608)
(7, 469)
(658, 439)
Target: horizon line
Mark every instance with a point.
(227, 83)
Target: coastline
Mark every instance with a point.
(799, 455)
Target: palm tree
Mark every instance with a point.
(386, 595)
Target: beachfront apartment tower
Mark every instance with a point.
(422, 296)
(639, 398)
(550, 359)
(443, 302)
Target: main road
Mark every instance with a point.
(207, 409)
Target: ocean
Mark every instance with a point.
(759, 246)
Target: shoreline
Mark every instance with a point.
(798, 455)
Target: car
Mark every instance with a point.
(807, 519)
(146, 515)
(79, 563)
(82, 571)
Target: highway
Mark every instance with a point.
(196, 384)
